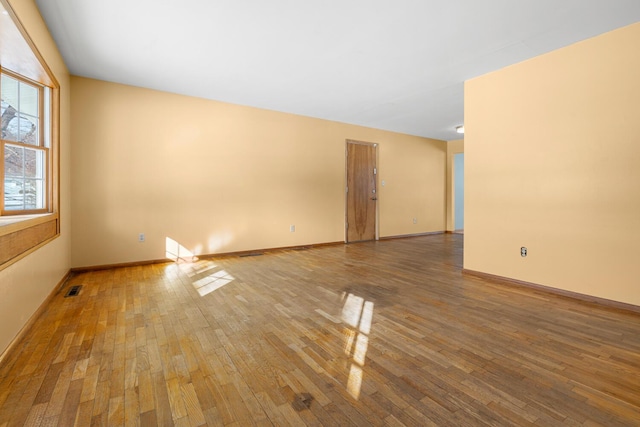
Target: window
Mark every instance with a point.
(29, 144)
(25, 144)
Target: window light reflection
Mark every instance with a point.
(352, 310)
(358, 314)
(360, 350)
(367, 316)
(176, 252)
(354, 384)
(349, 338)
(206, 276)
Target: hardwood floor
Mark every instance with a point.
(380, 333)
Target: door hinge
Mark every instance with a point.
(375, 171)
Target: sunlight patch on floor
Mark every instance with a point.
(358, 314)
(212, 282)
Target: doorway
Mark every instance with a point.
(458, 192)
(361, 191)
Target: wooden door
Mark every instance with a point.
(361, 191)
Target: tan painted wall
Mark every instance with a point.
(218, 177)
(453, 148)
(552, 162)
(26, 284)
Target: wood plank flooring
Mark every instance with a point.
(380, 333)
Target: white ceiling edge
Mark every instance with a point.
(398, 66)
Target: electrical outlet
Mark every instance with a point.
(523, 252)
(141, 237)
(415, 220)
(292, 228)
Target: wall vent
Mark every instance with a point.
(73, 291)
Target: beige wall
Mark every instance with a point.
(218, 177)
(26, 284)
(552, 162)
(453, 148)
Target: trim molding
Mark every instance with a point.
(27, 327)
(270, 250)
(203, 256)
(406, 236)
(603, 302)
(119, 265)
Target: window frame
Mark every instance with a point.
(43, 139)
(23, 232)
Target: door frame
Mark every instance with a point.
(455, 195)
(346, 201)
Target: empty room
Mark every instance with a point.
(412, 213)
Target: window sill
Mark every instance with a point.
(22, 234)
(19, 222)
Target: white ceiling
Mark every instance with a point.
(396, 65)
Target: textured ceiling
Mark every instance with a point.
(396, 65)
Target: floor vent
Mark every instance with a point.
(251, 254)
(302, 402)
(73, 291)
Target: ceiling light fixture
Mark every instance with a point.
(460, 129)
